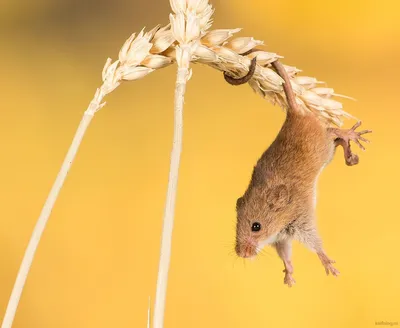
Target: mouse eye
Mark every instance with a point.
(256, 227)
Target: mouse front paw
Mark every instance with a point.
(288, 280)
(328, 264)
(343, 138)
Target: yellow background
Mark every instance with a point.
(97, 263)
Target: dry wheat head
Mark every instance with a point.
(188, 39)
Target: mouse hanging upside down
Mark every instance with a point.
(279, 203)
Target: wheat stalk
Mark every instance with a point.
(137, 58)
(189, 22)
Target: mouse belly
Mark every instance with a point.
(297, 229)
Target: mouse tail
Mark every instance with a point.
(292, 105)
(242, 80)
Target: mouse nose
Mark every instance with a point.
(246, 250)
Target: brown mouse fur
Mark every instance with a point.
(279, 203)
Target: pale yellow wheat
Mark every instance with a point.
(186, 39)
(219, 50)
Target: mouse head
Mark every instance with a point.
(258, 218)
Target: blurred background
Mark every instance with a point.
(97, 263)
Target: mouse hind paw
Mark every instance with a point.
(356, 136)
(343, 138)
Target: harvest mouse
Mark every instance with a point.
(279, 203)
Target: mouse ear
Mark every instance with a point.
(278, 197)
(239, 202)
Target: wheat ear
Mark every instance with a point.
(137, 58)
(233, 56)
